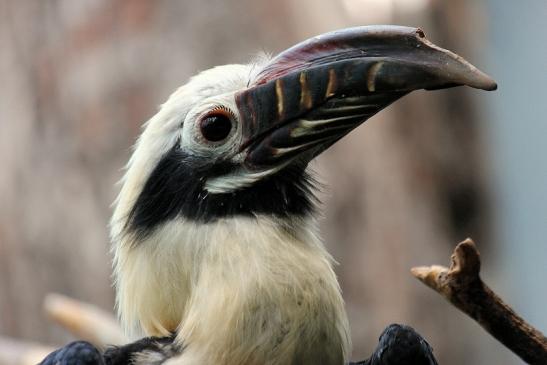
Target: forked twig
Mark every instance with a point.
(462, 286)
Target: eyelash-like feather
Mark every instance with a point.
(221, 108)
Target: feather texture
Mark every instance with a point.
(244, 291)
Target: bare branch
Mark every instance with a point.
(84, 320)
(462, 286)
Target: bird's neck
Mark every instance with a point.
(249, 291)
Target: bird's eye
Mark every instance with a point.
(216, 125)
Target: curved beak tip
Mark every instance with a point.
(479, 80)
(489, 84)
(458, 70)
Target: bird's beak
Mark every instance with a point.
(314, 93)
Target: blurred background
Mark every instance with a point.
(80, 77)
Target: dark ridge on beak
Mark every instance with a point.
(314, 93)
(397, 42)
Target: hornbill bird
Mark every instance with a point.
(215, 240)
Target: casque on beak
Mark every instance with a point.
(314, 93)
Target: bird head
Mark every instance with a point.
(236, 139)
(225, 160)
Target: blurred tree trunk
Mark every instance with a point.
(79, 78)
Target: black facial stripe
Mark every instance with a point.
(175, 188)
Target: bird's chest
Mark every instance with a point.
(260, 294)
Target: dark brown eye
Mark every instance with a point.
(216, 126)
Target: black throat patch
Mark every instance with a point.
(175, 188)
